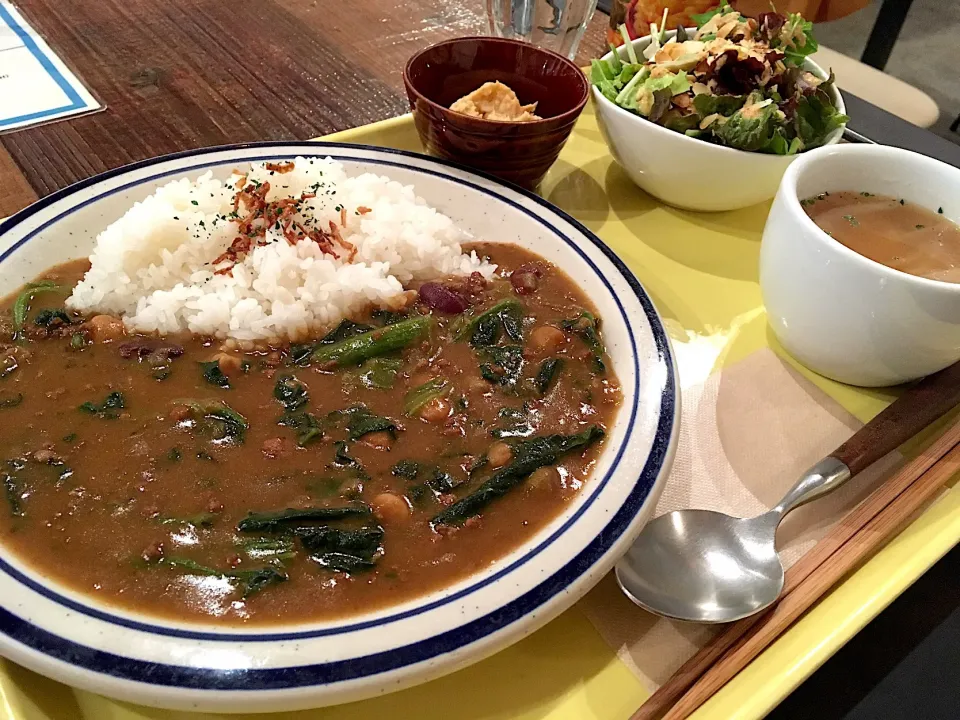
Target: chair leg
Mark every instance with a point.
(885, 32)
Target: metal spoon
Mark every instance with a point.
(704, 566)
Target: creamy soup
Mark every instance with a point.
(891, 231)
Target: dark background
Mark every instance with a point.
(905, 665)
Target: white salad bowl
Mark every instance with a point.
(687, 172)
(143, 659)
(839, 313)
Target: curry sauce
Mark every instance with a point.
(289, 484)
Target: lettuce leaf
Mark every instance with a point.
(672, 120)
(750, 128)
(600, 71)
(608, 89)
(795, 54)
(627, 97)
(815, 118)
(652, 88)
(628, 73)
(725, 105)
(780, 145)
(675, 82)
(615, 65)
(612, 79)
(702, 19)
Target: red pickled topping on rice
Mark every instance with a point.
(255, 215)
(281, 167)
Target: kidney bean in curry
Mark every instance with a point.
(395, 455)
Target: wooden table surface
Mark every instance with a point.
(183, 74)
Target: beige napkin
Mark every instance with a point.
(747, 433)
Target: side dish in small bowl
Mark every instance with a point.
(709, 118)
(501, 106)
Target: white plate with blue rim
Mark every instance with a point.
(143, 659)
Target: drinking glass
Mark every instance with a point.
(556, 25)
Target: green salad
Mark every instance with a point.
(738, 82)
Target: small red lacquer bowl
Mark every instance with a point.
(519, 152)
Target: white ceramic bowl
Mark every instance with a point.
(687, 172)
(143, 659)
(839, 313)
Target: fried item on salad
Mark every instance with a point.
(495, 101)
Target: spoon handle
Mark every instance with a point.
(916, 408)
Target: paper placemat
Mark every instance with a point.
(748, 432)
(35, 84)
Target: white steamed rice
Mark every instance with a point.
(152, 266)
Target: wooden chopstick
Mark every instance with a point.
(848, 557)
(857, 536)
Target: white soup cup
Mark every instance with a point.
(839, 313)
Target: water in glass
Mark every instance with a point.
(556, 25)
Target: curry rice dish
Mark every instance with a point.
(410, 444)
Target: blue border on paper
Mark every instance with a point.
(207, 678)
(76, 102)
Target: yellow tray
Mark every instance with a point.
(701, 270)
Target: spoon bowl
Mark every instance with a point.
(704, 566)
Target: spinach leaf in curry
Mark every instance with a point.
(217, 419)
(249, 582)
(359, 346)
(305, 424)
(52, 318)
(290, 392)
(213, 374)
(21, 306)
(587, 327)
(109, 409)
(290, 519)
(503, 364)
(528, 456)
(547, 374)
(419, 396)
(483, 329)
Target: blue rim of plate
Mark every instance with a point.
(301, 676)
